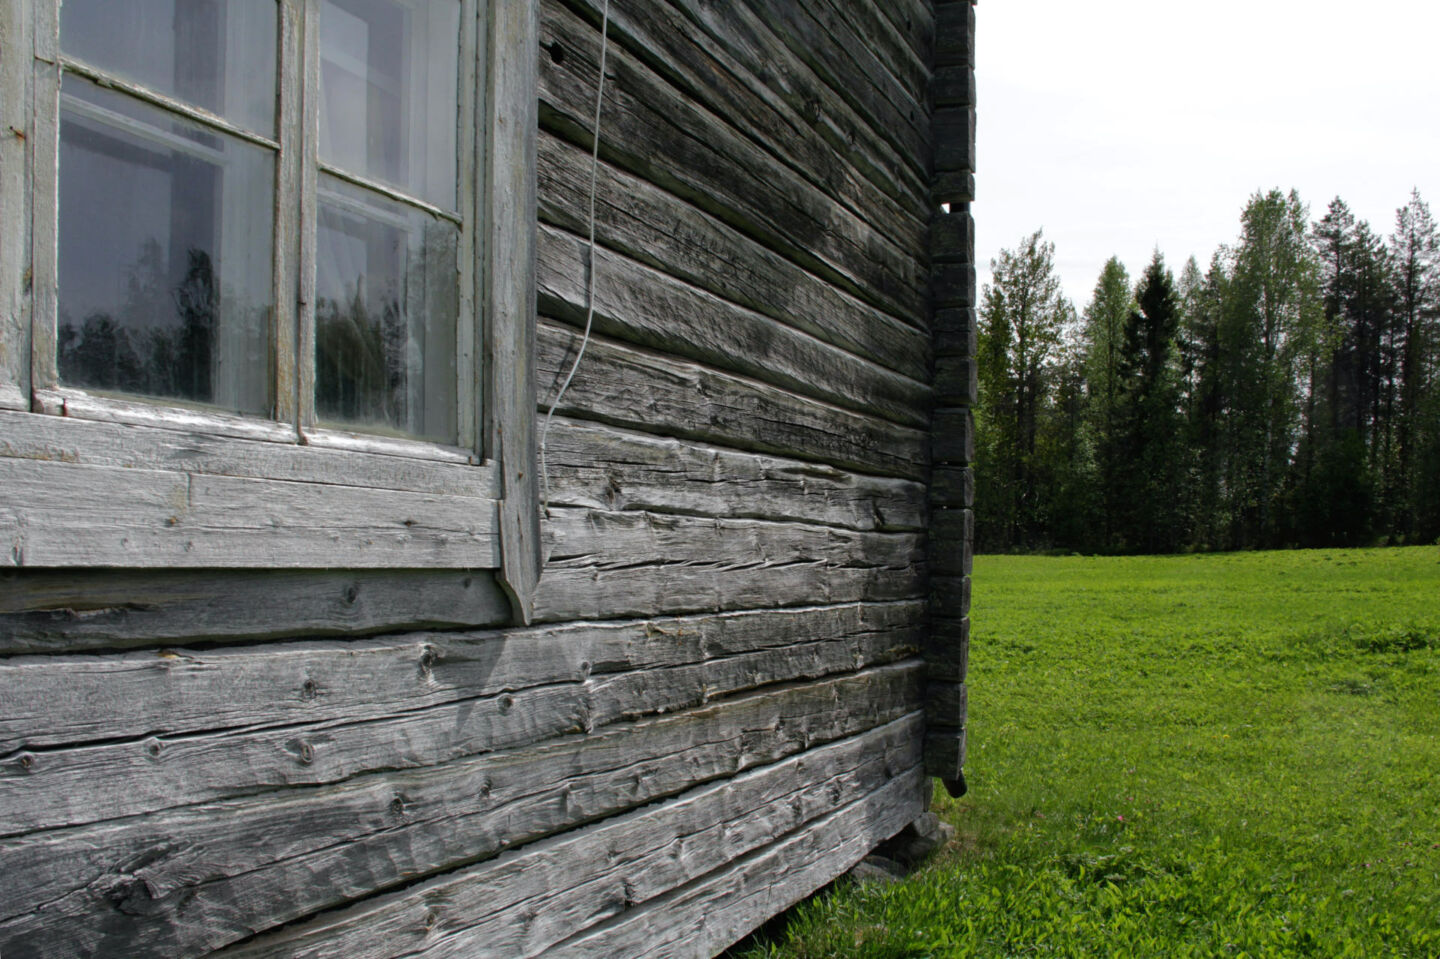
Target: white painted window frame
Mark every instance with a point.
(88, 480)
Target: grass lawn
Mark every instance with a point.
(1211, 755)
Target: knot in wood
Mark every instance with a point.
(309, 689)
(427, 659)
(27, 762)
(507, 702)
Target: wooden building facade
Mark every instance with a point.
(626, 686)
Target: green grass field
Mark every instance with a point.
(1210, 755)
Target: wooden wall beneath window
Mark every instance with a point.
(721, 706)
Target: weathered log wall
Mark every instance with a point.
(723, 703)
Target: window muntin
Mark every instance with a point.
(380, 236)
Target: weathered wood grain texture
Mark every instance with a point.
(657, 228)
(914, 20)
(185, 881)
(605, 468)
(52, 517)
(699, 920)
(63, 610)
(61, 439)
(781, 72)
(16, 68)
(953, 439)
(950, 597)
(708, 74)
(957, 381)
(653, 393)
(108, 761)
(845, 60)
(86, 698)
(507, 141)
(945, 703)
(952, 237)
(956, 331)
(641, 305)
(945, 752)
(951, 533)
(952, 487)
(613, 565)
(655, 131)
(524, 902)
(947, 649)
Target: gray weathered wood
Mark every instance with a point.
(16, 69)
(659, 394)
(701, 919)
(709, 75)
(524, 902)
(945, 751)
(953, 439)
(951, 533)
(950, 596)
(952, 487)
(68, 514)
(603, 467)
(85, 698)
(185, 881)
(655, 227)
(639, 304)
(236, 753)
(783, 73)
(508, 217)
(821, 37)
(653, 130)
(947, 649)
(63, 610)
(63, 439)
(606, 565)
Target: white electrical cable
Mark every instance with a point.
(590, 284)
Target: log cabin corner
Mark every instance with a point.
(342, 611)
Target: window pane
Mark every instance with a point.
(164, 254)
(214, 54)
(385, 311)
(389, 81)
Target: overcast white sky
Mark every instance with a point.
(1123, 125)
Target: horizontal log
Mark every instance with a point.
(523, 903)
(821, 37)
(952, 487)
(657, 394)
(914, 20)
(709, 75)
(957, 381)
(641, 305)
(953, 87)
(956, 331)
(57, 787)
(703, 918)
(76, 699)
(947, 649)
(955, 187)
(945, 754)
(945, 703)
(186, 881)
(953, 436)
(66, 439)
(952, 531)
(70, 514)
(955, 35)
(950, 597)
(659, 133)
(952, 236)
(954, 132)
(877, 32)
(70, 610)
(953, 285)
(602, 467)
(655, 227)
(619, 564)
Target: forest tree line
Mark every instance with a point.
(1287, 395)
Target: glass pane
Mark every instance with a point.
(389, 81)
(214, 54)
(386, 301)
(165, 254)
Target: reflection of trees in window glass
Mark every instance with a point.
(131, 356)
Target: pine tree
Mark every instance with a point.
(1103, 342)
(1021, 320)
(1415, 255)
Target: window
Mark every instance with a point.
(268, 283)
